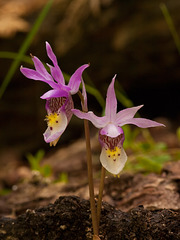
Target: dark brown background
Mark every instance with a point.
(127, 38)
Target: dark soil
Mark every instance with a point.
(69, 218)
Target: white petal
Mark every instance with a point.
(113, 162)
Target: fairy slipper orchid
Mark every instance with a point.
(58, 100)
(111, 135)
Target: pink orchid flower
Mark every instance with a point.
(58, 100)
(111, 135)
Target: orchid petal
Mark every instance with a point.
(141, 122)
(75, 79)
(32, 74)
(111, 101)
(56, 72)
(54, 132)
(68, 106)
(111, 130)
(98, 122)
(126, 114)
(57, 104)
(113, 139)
(41, 69)
(54, 93)
(113, 161)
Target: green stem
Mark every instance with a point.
(90, 171)
(101, 188)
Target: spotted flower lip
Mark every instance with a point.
(58, 100)
(111, 135)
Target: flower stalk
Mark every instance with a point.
(100, 196)
(90, 169)
(90, 178)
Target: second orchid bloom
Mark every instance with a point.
(111, 135)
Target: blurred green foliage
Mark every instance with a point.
(5, 191)
(35, 163)
(63, 178)
(144, 154)
(178, 133)
(147, 157)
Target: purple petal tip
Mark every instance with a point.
(114, 76)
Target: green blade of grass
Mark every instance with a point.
(170, 25)
(122, 96)
(93, 91)
(25, 47)
(14, 56)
